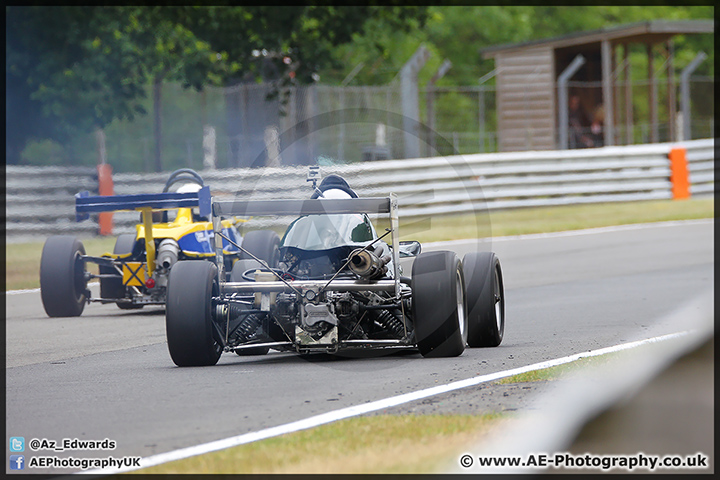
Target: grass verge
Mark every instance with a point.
(23, 259)
(408, 444)
(554, 219)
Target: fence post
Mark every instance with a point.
(410, 100)
(430, 106)
(562, 81)
(679, 175)
(481, 117)
(685, 92)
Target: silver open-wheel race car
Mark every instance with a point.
(337, 287)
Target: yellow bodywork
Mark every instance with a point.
(182, 225)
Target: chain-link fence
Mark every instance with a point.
(246, 125)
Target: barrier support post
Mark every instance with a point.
(679, 175)
(105, 187)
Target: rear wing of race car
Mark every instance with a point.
(304, 207)
(145, 203)
(371, 205)
(85, 204)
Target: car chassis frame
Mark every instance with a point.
(306, 290)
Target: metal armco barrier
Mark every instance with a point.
(40, 200)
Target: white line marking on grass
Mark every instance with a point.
(373, 406)
(18, 292)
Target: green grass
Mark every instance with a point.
(23, 260)
(553, 219)
(372, 444)
(557, 372)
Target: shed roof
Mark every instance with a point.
(650, 32)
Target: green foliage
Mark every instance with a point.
(459, 33)
(71, 70)
(44, 152)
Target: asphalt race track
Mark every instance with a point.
(108, 374)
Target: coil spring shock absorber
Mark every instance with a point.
(391, 323)
(247, 328)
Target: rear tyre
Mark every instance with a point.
(485, 298)
(62, 277)
(188, 314)
(439, 306)
(124, 244)
(263, 244)
(240, 267)
(245, 352)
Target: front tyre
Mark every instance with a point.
(486, 299)
(438, 304)
(188, 314)
(63, 285)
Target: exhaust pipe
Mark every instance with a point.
(367, 264)
(167, 253)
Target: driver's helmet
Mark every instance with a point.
(334, 182)
(190, 214)
(333, 187)
(334, 193)
(189, 188)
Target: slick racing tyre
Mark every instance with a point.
(485, 299)
(263, 244)
(439, 305)
(188, 314)
(63, 288)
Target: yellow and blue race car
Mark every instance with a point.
(175, 226)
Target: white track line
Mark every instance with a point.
(18, 292)
(36, 290)
(376, 405)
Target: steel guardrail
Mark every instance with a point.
(40, 200)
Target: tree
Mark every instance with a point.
(75, 69)
(282, 46)
(171, 52)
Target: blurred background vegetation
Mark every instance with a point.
(152, 76)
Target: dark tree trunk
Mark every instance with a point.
(157, 124)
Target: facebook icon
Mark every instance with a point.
(17, 462)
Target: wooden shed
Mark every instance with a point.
(527, 79)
